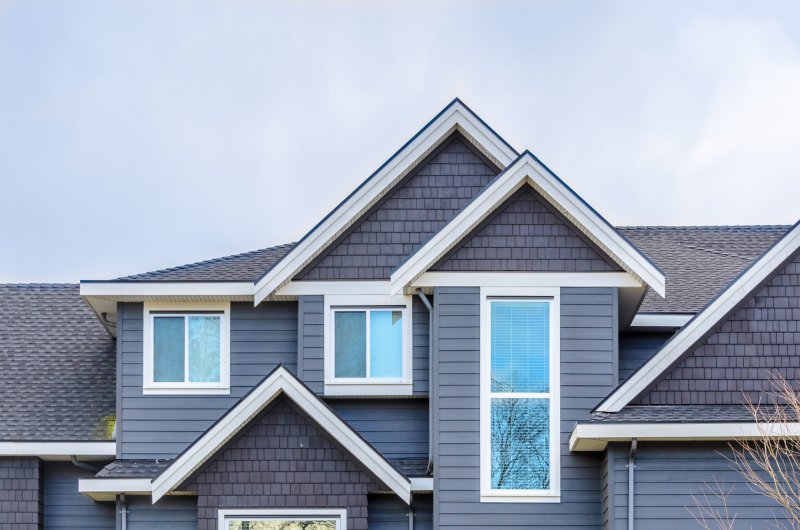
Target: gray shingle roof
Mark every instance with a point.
(698, 261)
(57, 381)
(677, 414)
(246, 267)
(134, 469)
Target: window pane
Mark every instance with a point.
(276, 524)
(386, 344)
(204, 349)
(168, 349)
(350, 356)
(520, 444)
(520, 346)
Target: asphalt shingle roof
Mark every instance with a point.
(134, 469)
(681, 414)
(698, 261)
(57, 381)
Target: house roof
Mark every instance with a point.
(57, 381)
(678, 414)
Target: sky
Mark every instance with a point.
(146, 134)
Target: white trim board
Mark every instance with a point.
(661, 320)
(527, 170)
(455, 116)
(138, 291)
(339, 515)
(704, 322)
(58, 449)
(106, 489)
(595, 436)
(281, 381)
(524, 279)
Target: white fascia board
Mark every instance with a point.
(703, 323)
(525, 279)
(456, 116)
(528, 171)
(58, 449)
(662, 320)
(281, 381)
(595, 436)
(421, 484)
(294, 289)
(106, 489)
(164, 289)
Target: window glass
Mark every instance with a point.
(204, 346)
(168, 349)
(351, 344)
(520, 444)
(386, 344)
(520, 346)
(281, 524)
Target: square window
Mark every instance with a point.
(368, 343)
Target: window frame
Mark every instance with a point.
(337, 515)
(520, 294)
(367, 386)
(152, 310)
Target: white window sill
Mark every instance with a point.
(368, 389)
(541, 498)
(186, 391)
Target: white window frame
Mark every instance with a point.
(339, 386)
(151, 387)
(521, 294)
(337, 515)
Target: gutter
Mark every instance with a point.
(428, 305)
(631, 469)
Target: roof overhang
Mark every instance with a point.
(59, 450)
(596, 436)
(527, 170)
(107, 489)
(279, 382)
(660, 321)
(704, 323)
(455, 117)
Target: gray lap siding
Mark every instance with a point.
(65, 507)
(588, 373)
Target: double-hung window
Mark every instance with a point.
(520, 397)
(367, 346)
(186, 348)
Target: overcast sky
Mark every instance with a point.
(140, 135)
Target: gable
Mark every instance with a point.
(526, 234)
(418, 207)
(759, 340)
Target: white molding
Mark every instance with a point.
(421, 484)
(661, 320)
(552, 295)
(279, 382)
(301, 288)
(106, 489)
(144, 290)
(335, 514)
(703, 323)
(367, 386)
(529, 171)
(455, 116)
(525, 279)
(58, 449)
(595, 436)
(149, 387)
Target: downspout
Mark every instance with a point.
(428, 305)
(631, 468)
(123, 512)
(83, 465)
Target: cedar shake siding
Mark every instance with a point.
(526, 234)
(415, 210)
(20, 493)
(282, 460)
(759, 340)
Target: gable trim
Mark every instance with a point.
(456, 116)
(699, 327)
(527, 170)
(279, 382)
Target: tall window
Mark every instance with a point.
(519, 399)
(186, 348)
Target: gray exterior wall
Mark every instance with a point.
(311, 339)
(417, 208)
(163, 426)
(20, 493)
(526, 234)
(588, 373)
(65, 507)
(637, 348)
(759, 340)
(170, 513)
(387, 512)
(666, 477)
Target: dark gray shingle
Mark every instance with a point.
(134, 469)
(57, 381)
(680, 414)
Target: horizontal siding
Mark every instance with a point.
(587, 374)
(667, 476)
(398, 428)
(65, 507)
(162, 426)
(387, 512)
(169, 513)
(635, 349)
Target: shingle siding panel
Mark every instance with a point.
(759, 340)
(21, 499)
(525, 234)
(416, 209)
